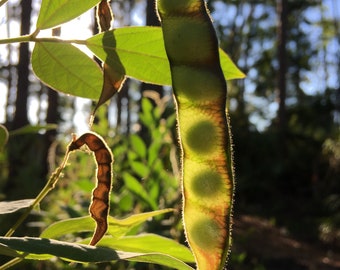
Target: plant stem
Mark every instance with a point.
(3, 2)
(25, 38)
(58, 40)
(11, 263)
(32, 37)
(47, 188)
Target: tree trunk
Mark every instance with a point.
(20, 115)
(152, 20)
(282, 40)
(52, 117)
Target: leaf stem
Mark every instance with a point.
(58, 40)
(25, 38)
(32, 38)
(47, 188)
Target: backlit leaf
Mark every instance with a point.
(162, 259)
(120, 227)
(139, 49)
(150, 243)
(117, 227)
(229, 69)
(55, 12)
(44, 249)
(142, 53)
(67, 69)
(113, 81)
(68, 226)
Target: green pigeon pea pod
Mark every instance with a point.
(200, 92)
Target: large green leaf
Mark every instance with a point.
(117, 227)
(161, 259)
(67, 69)
(44, 249)
(120, 227)
(68, 226)
(55, 12)
(141, 51)
(150, 243)
(133, 185)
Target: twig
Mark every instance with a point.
(47, 188)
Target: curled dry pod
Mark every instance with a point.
(113, 72)
(104, 15)
(99, 208)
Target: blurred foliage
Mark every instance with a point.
(298, 181)
(143, 176)
(291, 177)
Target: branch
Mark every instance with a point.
(32, 38)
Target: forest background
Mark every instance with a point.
(285, 121)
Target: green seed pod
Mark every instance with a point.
(200, 92)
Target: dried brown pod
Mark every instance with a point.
(100, 204)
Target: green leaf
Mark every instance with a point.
(141, 51)
(138, 145)
(126, 201)
(146, 115)
(39, 248)
(55, 12)
(140, 168)
(67, 69)
(43, 249)
(68, 226)
(13, 206)
(132, 155)
(32, 129)
(149, 243)
(3, 136)
(229, 69)
(117, 227)
(171, 121)
(153, 152)
(120, 227)
(132, 184)
(147, 106)
(162, 259)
